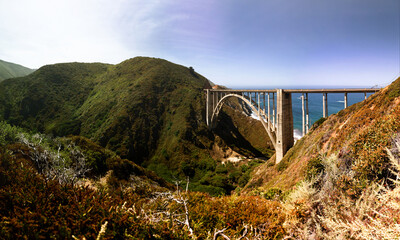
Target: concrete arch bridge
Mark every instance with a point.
(273, 107)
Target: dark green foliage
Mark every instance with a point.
(314, 167)
(188, 168)
(212, 190)
(394, 94)
(69, 127)
(273, 194)
(283, 164)
(221, 179)
(8, 133)
(246, 170)
(394, 90)
(207, 164)
(318, 123)
(123, 168)
(95, 155)
(209, 176)
(49, 97)
(244, 179)
(221, 169)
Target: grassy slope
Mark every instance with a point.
(11, 70)
(358, 135)
(147, 110)
(48, 98)
(153, 99)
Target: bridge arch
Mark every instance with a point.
(281, 131)
(260, 114)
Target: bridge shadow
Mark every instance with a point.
(228, 131)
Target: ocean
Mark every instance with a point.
(335, 104)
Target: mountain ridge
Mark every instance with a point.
(147, 110)
(12, 70)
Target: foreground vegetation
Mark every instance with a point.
(323, 208)
(44, 194)
(49, 189)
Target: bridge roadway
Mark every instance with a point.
(274, 109)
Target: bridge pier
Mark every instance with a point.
(212, 99)
(284, 135)
(209, 107)
(304, 108)
(325, 105)
(278, 121)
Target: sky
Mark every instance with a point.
(236, 43)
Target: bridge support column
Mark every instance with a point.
(273, 111)
(284, 136)
(303, 115)
(325, 105)
(304, 108)
(209, 107)
(307, 120)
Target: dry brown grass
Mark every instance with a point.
(318, 209)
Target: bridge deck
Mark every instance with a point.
(280, 116)
(328, 90)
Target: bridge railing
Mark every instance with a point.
(305, 98)
(277, 111)
(258, 98)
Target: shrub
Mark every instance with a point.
(314, 167)
(188, 168)
(65, 128)
(371, 161)
(283, 164)
(33, 207)
(221, 168)
(340, 209)
(318, 123)
(207, 164)
(8, 134)
(273, 194)
(123, 168)
(236, 214)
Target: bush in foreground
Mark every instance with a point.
(34, 206)
(324, 208)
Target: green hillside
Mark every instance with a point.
(357, 136)
(49, 96)
(12, 70)
(147, 110)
